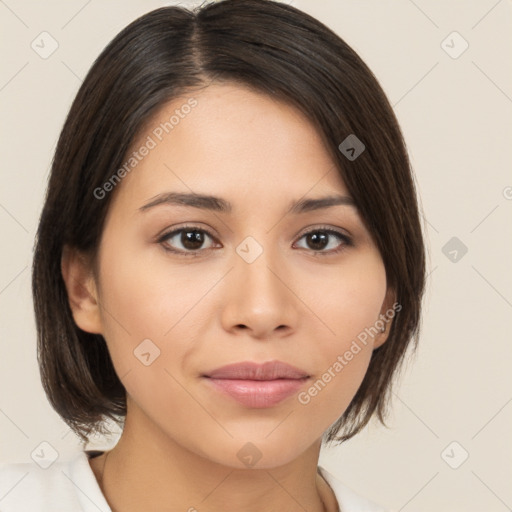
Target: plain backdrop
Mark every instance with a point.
(446, 68)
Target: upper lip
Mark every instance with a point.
(248, 370)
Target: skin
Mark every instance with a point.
(293, 303)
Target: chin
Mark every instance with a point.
(244, 453)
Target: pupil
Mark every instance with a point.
(192, 240)
(318, 240)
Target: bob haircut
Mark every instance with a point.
(277, 50)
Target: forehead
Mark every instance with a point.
(225, 139)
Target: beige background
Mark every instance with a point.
(456, 117)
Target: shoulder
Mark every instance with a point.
(348, 500)
(65, 485)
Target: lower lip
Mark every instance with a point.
(258, 394)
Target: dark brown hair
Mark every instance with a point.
(277, 50)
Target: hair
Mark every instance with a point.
(276, 50)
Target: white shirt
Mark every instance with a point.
(71, 486)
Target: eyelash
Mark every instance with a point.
(346, 241)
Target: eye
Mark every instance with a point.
(187, 240)
(191, 240)
(324, 240)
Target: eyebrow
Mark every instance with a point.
(217, 204)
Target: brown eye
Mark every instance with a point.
(318, 240)
(325, 241)
(187, 240)
(192, 240)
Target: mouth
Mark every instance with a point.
(257, 385)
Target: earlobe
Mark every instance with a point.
(386, 316)
(81, 289)
(382, 337)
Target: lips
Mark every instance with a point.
(257, 385)
(253, 371)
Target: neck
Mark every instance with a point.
(147, 471)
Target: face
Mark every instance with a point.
(263, 273)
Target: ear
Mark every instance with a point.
(81, 287)
(387, 313)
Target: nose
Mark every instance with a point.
(260, 301)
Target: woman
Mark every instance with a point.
(229, 264)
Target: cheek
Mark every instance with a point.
(142, 296)
(331, 391)
(146, 312)
(347, 299)
(348, 304)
